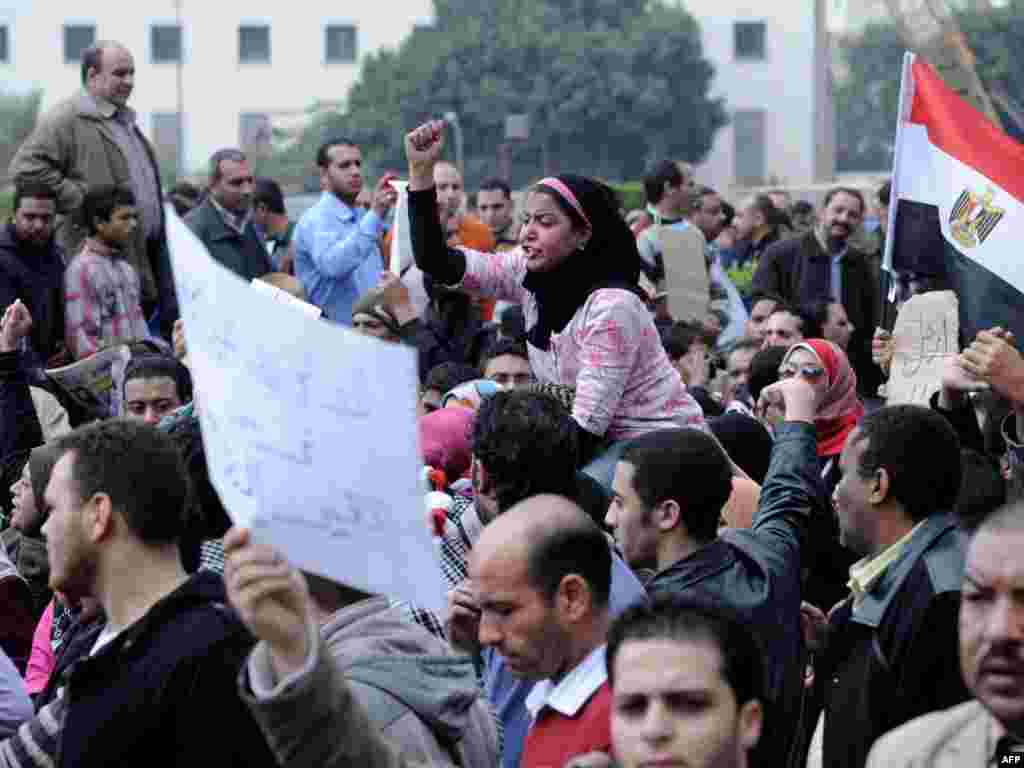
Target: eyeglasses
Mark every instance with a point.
(808, 371)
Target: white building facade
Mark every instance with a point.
(772, 70)
(234, 69)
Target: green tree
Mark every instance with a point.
(18, 113)
(868, 100)
(608, 85)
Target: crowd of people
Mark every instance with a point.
(704, 541)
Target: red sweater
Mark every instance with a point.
(553, 738)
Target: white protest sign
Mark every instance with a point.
(401, 261)
(283, 297)
(686, 273)
(309, 430)
(401, 240)
(925, 337)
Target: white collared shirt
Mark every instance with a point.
(570, 695)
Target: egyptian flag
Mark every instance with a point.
(957, 207)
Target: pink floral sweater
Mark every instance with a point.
(610, 352)
(102, 295)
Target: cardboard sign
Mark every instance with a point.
(925, 336)
(686, 273)
(309, 430)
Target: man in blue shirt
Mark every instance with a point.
(337, 253)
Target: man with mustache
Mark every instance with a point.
(984, 731)
(91, 139)
(823, 265)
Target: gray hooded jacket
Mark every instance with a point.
(423, 699)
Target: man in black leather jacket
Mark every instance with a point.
(670, 488)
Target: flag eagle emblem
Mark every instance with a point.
(974, 217)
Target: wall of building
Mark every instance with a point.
(217, 88)
(786, 86)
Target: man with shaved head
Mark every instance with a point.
(92, 139)
(542, 573)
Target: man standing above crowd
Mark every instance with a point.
(497, 210)
(32, 268)
(91, 139)
(224, 222)
(823, 265)
(337, 253)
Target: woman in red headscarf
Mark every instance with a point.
(575, 273)
(839, 408)
(839, 411)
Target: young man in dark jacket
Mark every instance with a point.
(32, 268)
(890, 650)
(157, 677)
(669, 491)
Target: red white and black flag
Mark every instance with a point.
(957, 202)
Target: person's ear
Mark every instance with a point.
(98, 517)
(667, 515)
(880, 486)
(751, 719)
(573, 598)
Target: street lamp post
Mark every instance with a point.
(452, 119)
(180, 87)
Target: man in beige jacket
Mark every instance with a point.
(987, 730)
(92, 138)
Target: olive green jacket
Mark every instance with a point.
(71, 148)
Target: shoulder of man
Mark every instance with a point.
(62, 112)
(944, 560)
(787, 249)
(919, 741)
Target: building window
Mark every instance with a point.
(748, 127)
(165, 43)
(166, 132)
(254, 44)
(77, 38)
(5, 50)
(254, 131)
(342, 46)
(749, 39)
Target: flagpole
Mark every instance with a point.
(887, 275)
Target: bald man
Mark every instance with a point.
(542, 576)
(92, 138)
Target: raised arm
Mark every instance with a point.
(793, 491)
(291, 672)
(20, 430)
(423, 148)
(338, 255)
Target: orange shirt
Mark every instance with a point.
(473, 234)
